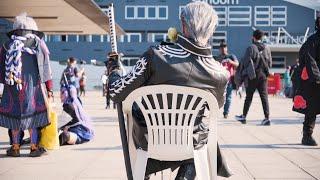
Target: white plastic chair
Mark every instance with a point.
(170, 127)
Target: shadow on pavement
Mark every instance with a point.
(98, 148)
(267, 146)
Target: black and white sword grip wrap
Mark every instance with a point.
(112, 28)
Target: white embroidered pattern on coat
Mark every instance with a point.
(173, 52)
(137, 70)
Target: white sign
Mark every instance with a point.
(221, 2)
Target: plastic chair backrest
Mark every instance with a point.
(170, 112)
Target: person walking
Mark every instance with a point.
(307, 85)
(104, 80)
(24, 70)
(254, 71)
(287, 84)
(230, 62)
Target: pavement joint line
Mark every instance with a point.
(237, 157)
(276, 151)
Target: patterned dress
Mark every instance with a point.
(26, 108)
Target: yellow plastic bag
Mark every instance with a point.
(49, 134)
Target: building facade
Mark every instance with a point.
(146, 24)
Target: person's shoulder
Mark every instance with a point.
(233, 57)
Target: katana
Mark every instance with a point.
(122, 126)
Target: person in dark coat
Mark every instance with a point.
(254, 69)
(187, 62)
(307, 84)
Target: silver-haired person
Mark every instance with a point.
(186, 62)
(24, 69)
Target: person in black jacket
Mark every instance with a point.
(307, 84)
(187, 62)
(259, 57)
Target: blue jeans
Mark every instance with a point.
(228, 98)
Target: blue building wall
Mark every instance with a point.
(297, 19)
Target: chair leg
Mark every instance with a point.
(140, 165)
(201, 164)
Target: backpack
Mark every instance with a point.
(262, 62)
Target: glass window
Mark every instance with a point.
(163, 12)
(129, 12)
(278, 15)
(106, 38)
(134, 37)
(217, 37)
(152, 12)
(55, 38)
(222, 15)
(278, 62)
(82, 38)
(262, 16)
(141, 12)
(64, 38)
(239, 15)
(72, 38)
(96, 38)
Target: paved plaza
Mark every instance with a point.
(252, 151)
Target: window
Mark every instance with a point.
(239, 15)
(262, 16)
(84, 38)
(141, 12)
(131, 37)
(152, 12)
(72, 38)
(146, 12)
(106, 38)
(278, 15)
(163, 12)
(157, 37)
(130, 12)
(64, 38)
(278, 62)
(55, 38)
(217, 37)
(96, 38)
(222, 14)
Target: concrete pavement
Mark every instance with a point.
(252, 151)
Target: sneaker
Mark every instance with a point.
(225, 116)
(242, 119)
(266, 122)
(37, 151)
(308, 140)
(14, 151)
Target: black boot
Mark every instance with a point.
(186, 172)
(14, 151)
(37, 151)
(308, 140)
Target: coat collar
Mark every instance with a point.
(190, 46)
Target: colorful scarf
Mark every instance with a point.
(13, 62)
